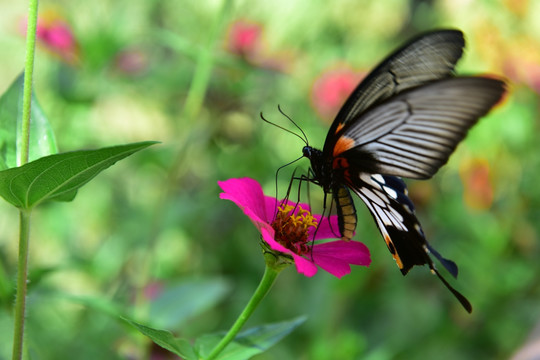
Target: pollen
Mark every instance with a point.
(292, 229)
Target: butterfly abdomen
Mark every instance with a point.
(346, 212)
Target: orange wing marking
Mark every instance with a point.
(392, 249)
(343, 144)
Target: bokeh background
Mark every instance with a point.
(150, 239)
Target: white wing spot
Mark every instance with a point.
(378, 178)
(391, 192)
(383, 216)
(407, 208)
(366, 178)
(373, 196)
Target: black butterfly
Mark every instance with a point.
(403, 120)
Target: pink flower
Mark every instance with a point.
(244, 38)
(331, 89)
(478, 189)
(55, 35)
(131, 61)
(524, 70)
(292, 230)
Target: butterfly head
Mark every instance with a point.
(307, 151)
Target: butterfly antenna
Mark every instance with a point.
(305, 139)
(284, 129)
(276, 181)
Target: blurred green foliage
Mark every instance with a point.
(154, 225)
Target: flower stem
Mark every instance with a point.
(28, 77)
(22, 276)
(24, 215)
(205, 61)
(267, 280)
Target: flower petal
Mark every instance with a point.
(303, 266)
(328, 228)
(271, 204)
(335, 257)
(248, 195)
(268, 235)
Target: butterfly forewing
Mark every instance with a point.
(428, 57)
(414, 133)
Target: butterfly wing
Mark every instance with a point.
(387, 200)
(426, 58)
(404, 119)
(414, 133)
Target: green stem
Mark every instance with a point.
(205, 61)
(24, 215)
(267, 280)
(28, 76)
(22, 276)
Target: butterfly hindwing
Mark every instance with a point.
(387, 201)
(394, 215)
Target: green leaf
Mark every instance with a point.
(249, 342)
(186, 299)
(58, 177)
(166, 340)
(42, 140)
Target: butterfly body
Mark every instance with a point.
(403, 120)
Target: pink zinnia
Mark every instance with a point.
(331, 89)
(244, 38)
(55, 34)
(292, 230)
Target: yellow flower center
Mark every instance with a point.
(292, 229)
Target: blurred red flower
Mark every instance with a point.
(331, 89)
(478, 187)
(131, 61)
(245, 40)
(55, 35)
(521, 70)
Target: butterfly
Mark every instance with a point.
(403, 120)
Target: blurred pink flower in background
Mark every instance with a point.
(522, 70)
(55, 35)
(245, 40)
(153, 289)
(331, 89)
(131, 61)
(477, 185)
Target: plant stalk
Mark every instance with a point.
(22, 276)
(267, 280)
(28, 78)
(205, 62)
(24, 215)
